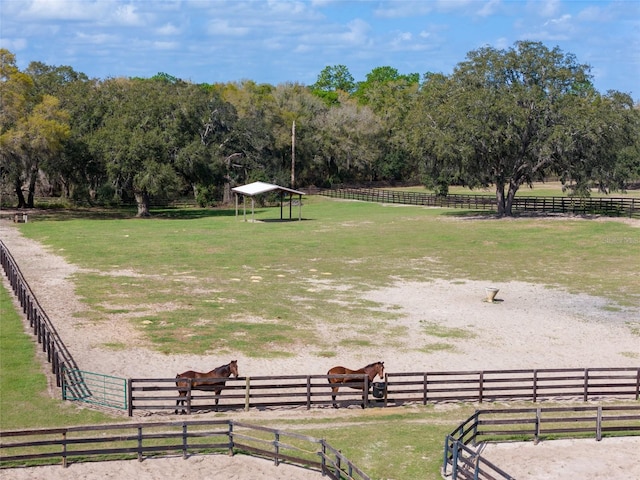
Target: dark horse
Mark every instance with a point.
(356, 382)
(204, 381)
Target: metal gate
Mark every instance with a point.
(94, 388)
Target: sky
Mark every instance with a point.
(281, 41)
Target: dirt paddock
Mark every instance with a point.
(532, 326)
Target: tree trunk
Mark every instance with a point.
(33, 178)
(511, 195)
(19, 194)
(500, 199)
(226, 196)
(142, 200)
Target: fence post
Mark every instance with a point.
(185, 447)
(247, 394)
(535, 386)
(586, 385)
(599, 424)
(139, 443)
(481, 387)
(638, 384)
(276, 448)
(230, 435)
(188, 397)
(308, 392)
(64, 449)
(476, 419)
(386, 390)
(63, 385)
(454, 461)
(536, 437)
(365, 392)
(425, 395)
(445, 460)
(129, 394)
(323, 460)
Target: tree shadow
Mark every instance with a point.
(117, 213)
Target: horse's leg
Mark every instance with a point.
(217, 399)
(333, 396)
(179, 402)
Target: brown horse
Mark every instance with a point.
(204, 381)
(355, 382)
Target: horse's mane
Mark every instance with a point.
(372, 364)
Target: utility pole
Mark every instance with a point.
(293, 155)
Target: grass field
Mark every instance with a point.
(207, 270)
(184, 265)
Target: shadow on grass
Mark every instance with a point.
(117, 213)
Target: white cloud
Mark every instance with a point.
(357, 33)
(166, 45)
(58, 9)
(168, 29)
(403, 8)
(223, 28)
(544, 8)
(127, 15)
(96, 39)
(561, 22)
(13, 44)
(595, 14)
(501, 43)
(489, 8)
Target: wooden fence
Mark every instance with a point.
(609, 206)
(530, 424)
(46, 335)
(145, 440)
(526, 385)
(244, 393)
(307, 391)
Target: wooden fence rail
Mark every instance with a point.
(144, 440)
(499, 385)
(531, 424)
(244, 393)
(609, 206)
(307, 391)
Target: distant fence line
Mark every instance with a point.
(144, 440)
(462, 462)
(608, 206)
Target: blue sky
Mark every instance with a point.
(280, 41)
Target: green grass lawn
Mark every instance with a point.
(24, 398)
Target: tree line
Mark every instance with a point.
(502, 118)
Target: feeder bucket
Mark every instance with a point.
(491, 293)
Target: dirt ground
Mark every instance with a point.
(531, 326)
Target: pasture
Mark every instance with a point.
(189, 280)
(197, 281)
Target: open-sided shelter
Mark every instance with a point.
(258, 188)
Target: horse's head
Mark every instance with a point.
(233, 366)
(380, 370)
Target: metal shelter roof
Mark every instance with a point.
(256, 188)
